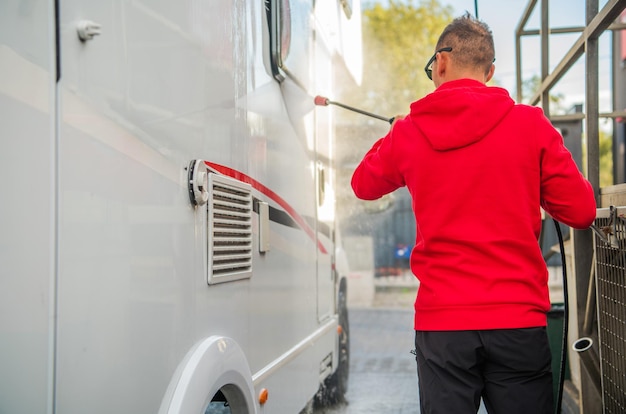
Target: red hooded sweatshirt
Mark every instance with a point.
(478, 168)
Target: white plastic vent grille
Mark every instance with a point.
(229, 229)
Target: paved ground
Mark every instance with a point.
(383, 375)
(383, 372)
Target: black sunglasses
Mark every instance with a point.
(427, 68)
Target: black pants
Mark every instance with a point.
(509, 368)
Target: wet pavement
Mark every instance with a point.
(383, 376)
(383, 372)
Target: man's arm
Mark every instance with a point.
(565, 194)
(377, 174)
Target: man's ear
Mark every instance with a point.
(492, 69)
(442, 63)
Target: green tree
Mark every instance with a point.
(606, 159)
(398, 40)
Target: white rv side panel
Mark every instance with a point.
(104, 300)
(27, 206)
(153, 91)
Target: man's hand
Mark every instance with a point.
(396, 119)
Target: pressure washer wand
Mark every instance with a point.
(322, 101)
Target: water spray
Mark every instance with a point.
(322, 101)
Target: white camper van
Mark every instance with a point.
(167, 204)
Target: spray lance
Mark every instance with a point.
(323, 101)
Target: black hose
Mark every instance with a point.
(559, 396)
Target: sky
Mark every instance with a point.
(503, 17)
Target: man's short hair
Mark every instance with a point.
(471, 41)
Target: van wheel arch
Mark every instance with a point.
(214, 364)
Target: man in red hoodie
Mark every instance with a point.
(478, 167)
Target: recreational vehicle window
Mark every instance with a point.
(291, 29)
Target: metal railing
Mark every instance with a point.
(598, 21)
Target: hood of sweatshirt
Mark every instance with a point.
(460, 113)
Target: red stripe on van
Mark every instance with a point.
(237, 175)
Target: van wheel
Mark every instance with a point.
(228, 400)
(218, 405)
